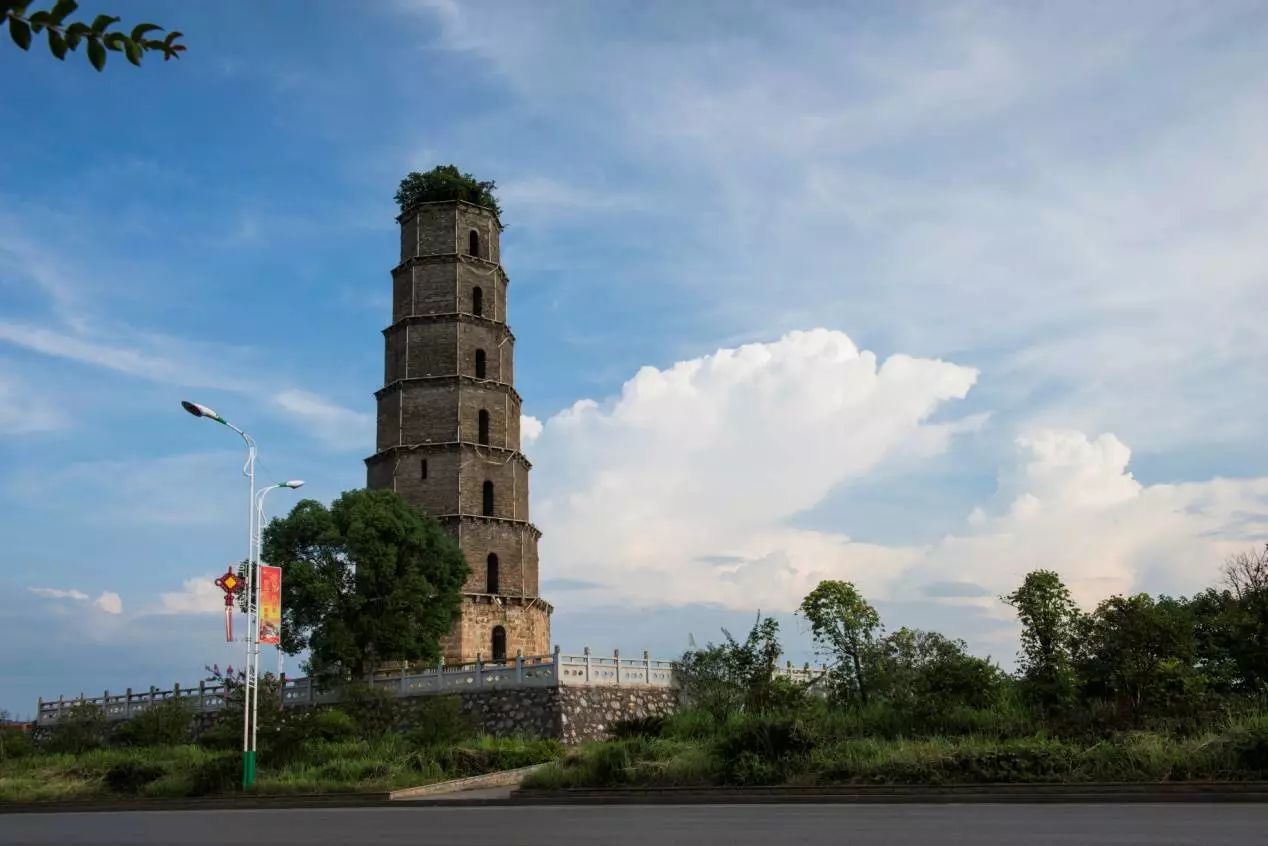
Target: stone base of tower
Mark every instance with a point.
(524, 624)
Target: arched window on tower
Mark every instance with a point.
(499, 643)
(473, 244)
(484, 427)
(479, 364)
(488, 499)
(477, 301)
(491, 574)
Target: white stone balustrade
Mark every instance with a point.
(554, 670)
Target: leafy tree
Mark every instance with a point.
(368, 580)
(1048, 616)
(66, 36)
(1140, 653)
(925, 671)
(80, 728)
(734, 676)
(845, 627)
(446, 182)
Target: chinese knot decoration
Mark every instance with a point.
(232, 586)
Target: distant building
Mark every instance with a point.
(448, 436)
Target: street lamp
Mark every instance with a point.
(259, 552)
(250, 683)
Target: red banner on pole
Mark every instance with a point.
(270, 604)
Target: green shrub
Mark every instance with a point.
(130, 776)
(218, 774)
(438, 721)
(375, 711)
(165, 723)
(81, 728)
(15, 743)
(761, 748)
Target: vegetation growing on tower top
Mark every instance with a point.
(446, 182)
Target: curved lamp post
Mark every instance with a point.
(248, 470)
(259, 552)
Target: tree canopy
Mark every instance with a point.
(446, 182)
(368, 580)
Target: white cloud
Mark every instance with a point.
(110, 602)
(59, 593)
(680, 489)
(530, 429)
(198, 595)
(334, 425)
(1070, 504)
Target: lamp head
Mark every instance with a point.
(201, 411)
(293, 483)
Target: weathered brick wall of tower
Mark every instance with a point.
(448, 437)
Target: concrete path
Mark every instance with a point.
(663, 825)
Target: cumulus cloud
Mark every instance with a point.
(530, 428)
(680, 488)
(109, 601)
(198, 595)
(1069, 503)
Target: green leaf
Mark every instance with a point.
(18, 6)
(139, 31)
(61, 9)
(116, 40)
(20, 33)
(39, 20)
(96, 53)
(56, 43)
(101, 22)
(133, 52)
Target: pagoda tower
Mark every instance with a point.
(448, 437)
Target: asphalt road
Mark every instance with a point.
(659, 825)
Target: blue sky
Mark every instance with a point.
(921, 297)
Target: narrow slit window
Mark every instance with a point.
(422, 469)
(491, 573)
(484, 427)
(488, 499)
(477, 302)
(473, 244)
(479, 364)
(499, 643)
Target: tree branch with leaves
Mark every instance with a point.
(100, 40)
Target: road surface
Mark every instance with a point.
(659, 825)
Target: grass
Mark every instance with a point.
(379, 764)
(695, 749)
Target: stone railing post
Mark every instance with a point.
(555, 656)
(479, 670)
(127, 704)
(39, 709)
(105, 702)
(176, 691)
(647, 667)
(61, 704)
(587, 654)
(153, 690)
(519, 667)
(404, 674)
(616, 659)
(202, 696)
